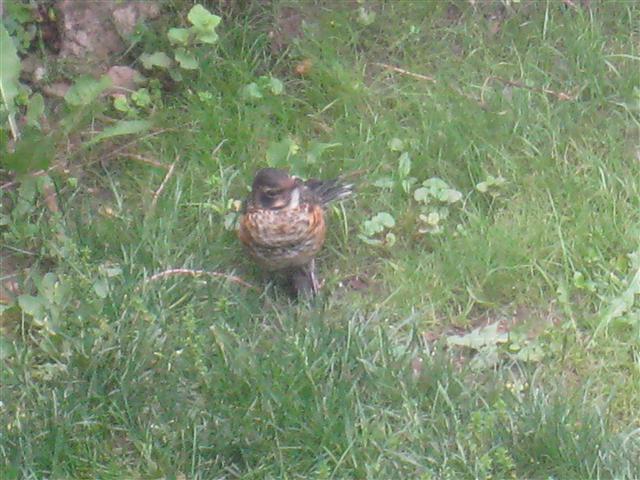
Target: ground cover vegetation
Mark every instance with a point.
(480, 315)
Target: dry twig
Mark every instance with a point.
(146, 160)
(198, 273)
(511, 83)
(218, 147)
(157, 193)
(405, 72)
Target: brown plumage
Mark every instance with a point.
(283, 226)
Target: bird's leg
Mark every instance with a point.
(304, 280)
(315, 285)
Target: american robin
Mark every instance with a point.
(283, 225)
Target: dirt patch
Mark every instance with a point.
(92, 32)
(287, 26)
(533, 320)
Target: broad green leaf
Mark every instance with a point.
(34, 306)
(123, 127)
(438, 189)
(34, 151)
(435, 184)
(315, 150)
(101, 287)
(371, 227)
(86, 90)
(385, 219)
(395, 144)
(479, 338)
(121, 103)
(47, 285)
(483, 187)
(156, 59)
(185, 59)
(9, 76)
(20, 12)
(35, 110)
(175, 74)
(271, 84)
(252, 91)
(178, 36)
(207, 37)
(530, 353)
(580, 282)
(485, 358)
(421, 194)
(141, 97)
(6, 350)
(278, 154)
(449, 195)
(201, 17)
(276, 86)
(489, 183)
(620, 305)
(204, 24)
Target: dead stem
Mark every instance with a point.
(169, 174)
(405, 72)
(559, 95)
(146, 160)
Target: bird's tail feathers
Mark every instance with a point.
(328, 191)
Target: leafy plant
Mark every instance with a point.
(9, 78)
(622, 309)
(436, 189)
(436, 197)
(377, 225)
(33, 148)
(491, 185)
(140, 99)
(403, 168)
(185, 43)
(19, 20)
(490, 344)
(287, 153)
(265, 85)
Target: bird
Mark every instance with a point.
(283, 227)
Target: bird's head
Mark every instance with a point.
(275, 189)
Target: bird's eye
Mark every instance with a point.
(271, 193)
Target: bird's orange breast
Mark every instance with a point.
(283, 238)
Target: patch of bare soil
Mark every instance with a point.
(93, 32)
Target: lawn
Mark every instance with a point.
(480, 314)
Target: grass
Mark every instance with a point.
(113, 375)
